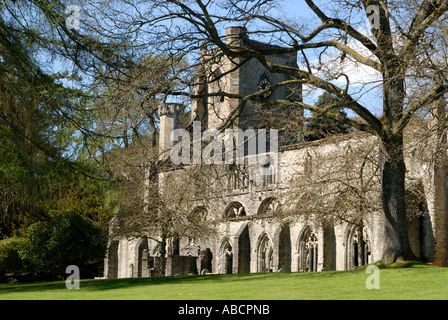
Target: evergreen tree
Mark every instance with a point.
(319, 126)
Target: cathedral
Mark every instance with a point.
(256, 228)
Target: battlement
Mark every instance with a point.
(170, 109)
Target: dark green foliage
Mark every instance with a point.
(13, 261)
(67, 238)
(33, 110)
(319, 126)
(48, 247)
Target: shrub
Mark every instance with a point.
(13, 263)
(67, 238)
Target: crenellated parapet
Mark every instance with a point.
(171, 109)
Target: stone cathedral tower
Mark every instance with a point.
(219, 74)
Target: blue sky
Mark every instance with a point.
(299, 11)
(369, 95)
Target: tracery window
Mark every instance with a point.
(269, 206)
(358, 248)
(237, 177)
(234, 209)
(308, 251)
(265, 255)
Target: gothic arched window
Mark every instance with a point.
(234, 209)
(226, 258)
(308, 251)
(357, 248)
(265, 254)
(269, 206)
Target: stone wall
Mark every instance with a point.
(181, 265)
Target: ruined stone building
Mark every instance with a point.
(256, 228)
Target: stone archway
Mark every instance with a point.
(269, 206)
(244, 251)
(204, 261)
(112, 257)
(284, 250)
(142, 258)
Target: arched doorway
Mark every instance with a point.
(112, 259)
(142, 265)
(204, 262)
(284, 250)
(244, 251)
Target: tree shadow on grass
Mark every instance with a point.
(114, 284)
(396, 265)
(111, 284)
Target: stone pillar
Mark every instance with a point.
(320, 249)
(276, 257)
(235, 250)
(276, 253)
(144, 271)
(295, 262)
(169, 266)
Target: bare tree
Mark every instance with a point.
(153, 200)
(340, 182)
(402, 47)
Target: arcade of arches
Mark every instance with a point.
(251, 245)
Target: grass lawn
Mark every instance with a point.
(414, 281)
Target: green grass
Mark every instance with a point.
(397, 281)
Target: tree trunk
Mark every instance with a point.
(439, 217)
(361, 253)
(163, 256)
(392, 169)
